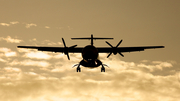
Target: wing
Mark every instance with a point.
(54, 49)
(126, 49)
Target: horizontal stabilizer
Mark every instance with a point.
(91, 38)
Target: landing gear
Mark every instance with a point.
(102, 69)
(87, 64)
(78, 69)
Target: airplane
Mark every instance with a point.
(90, 53)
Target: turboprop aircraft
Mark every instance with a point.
(90, 53)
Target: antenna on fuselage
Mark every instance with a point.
(92, 38)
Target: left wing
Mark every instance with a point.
(65, 50)
(54, 49)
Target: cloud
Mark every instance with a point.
(4, 24)
(29, 63)
(37, 55)
(30, 25)
(2, 60)
(11, 40)
(11, 69)
(6, 52)
(14, 22)
(47, 27)
(54, 79)
(4, 49)
(10, 54)
(44, 42)
(48, 42)
(124, 85)
(8, 24)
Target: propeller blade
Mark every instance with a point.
(121, 54)
(119, 43)
(109, 44)
(109, 54)
(73, 46)
(68, 56)
(64, 42)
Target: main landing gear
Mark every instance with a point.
(78, 69)
(102, 69)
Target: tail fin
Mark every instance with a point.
(92, 38)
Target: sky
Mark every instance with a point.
(150, 75)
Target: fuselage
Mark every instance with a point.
(90, 57)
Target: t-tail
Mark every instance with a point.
(91, 38)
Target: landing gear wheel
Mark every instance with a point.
(78, 69)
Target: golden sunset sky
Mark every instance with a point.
(31, 75)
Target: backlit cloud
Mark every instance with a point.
(10, 54)
(44, 42)
(2, 60)
(6, 52)
(4, 24)
(46, 76)
(14, 22)
(37, 55)
(11, 69)
(10, 40)
(29, 63)
(123, 85)
(9, 24)
(47, 27)
(4, 49)
(48, 42)
(30, 25)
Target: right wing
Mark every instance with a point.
(126, 49)
(120, 50)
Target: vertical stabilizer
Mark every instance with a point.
(91, 39)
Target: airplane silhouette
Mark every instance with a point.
(90, 53)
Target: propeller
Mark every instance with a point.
(66, 49)
(114, 49)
